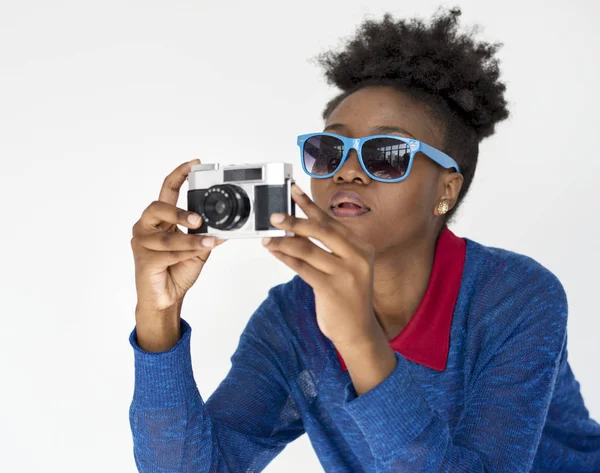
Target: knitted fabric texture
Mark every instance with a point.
(507, 401)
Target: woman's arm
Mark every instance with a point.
(244, 424)
(505, 406)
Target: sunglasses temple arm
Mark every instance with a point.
(439, 157)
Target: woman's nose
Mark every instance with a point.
(351, 170)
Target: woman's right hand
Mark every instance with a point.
(167, 260)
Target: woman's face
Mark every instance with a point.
(401, 213)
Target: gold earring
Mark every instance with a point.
(443, 207)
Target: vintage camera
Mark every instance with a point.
(237, 201)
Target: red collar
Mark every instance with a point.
(426, 338)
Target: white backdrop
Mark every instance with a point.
(99, 101)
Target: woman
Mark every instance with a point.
(405, 348)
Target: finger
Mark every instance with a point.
(313, 211)
(169, 192)
(327, 233)
(311, 275)
(303, 249)
(175, 241)
(158, 213)
(149, 261)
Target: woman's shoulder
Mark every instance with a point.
(291, 296)
(503, 269)
(504, 292)
(510, 302)
(286, 321)
(288, 303)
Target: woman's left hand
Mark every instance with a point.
(342, 280)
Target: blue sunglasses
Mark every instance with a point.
(385, 158)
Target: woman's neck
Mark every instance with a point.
(401, 277)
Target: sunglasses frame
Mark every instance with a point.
(415, 146)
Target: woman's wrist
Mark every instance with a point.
(369, 362)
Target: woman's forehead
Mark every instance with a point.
(380, 110)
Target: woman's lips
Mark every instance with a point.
(347, 204)
(348, 210)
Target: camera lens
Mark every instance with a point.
(220, 207)
(226, 207)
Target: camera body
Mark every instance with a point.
(237, 201)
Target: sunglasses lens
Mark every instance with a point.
(386, 158)
(322, 154)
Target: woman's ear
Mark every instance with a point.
(451, 183)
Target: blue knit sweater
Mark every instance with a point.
(506, 402)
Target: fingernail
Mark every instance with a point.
(194, 219)
(296, 190)
(208, 242)
(277, 218)
(266, 241)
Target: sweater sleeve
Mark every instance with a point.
(242, 426)
(505, 404)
